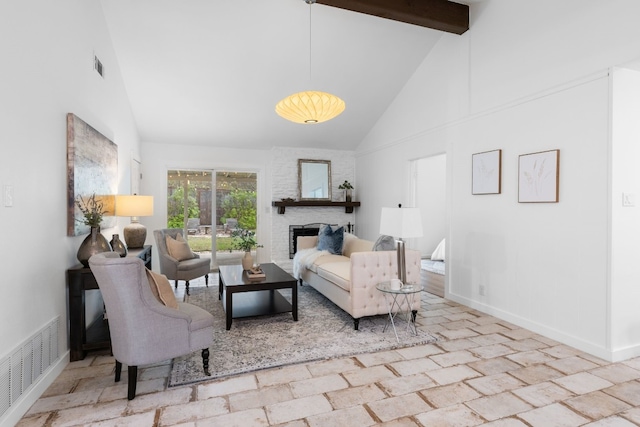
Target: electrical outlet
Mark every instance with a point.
(482, 290)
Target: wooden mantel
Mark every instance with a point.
(281, 205)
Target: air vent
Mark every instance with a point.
(26, 364)
(97, 65)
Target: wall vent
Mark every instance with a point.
(23, 367)
(97, 65)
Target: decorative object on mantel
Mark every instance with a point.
(134, 206)
(310, 107)
(118, 246)
(347, 187)
(288, 199)
(93, 210)
(314, 179)
(245, 240)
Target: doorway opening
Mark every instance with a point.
(209, 219)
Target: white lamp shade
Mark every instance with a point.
(134, 205)
(403, 223)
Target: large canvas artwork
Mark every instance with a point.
(92, 167)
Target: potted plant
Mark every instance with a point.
(347, 187)
(245, 240)
(93, 211)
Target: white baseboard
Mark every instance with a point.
(554, 334)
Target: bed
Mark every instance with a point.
(432, 271)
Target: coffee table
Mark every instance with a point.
(244, 297)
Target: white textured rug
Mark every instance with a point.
(323, 331)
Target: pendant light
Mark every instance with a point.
(310, 107)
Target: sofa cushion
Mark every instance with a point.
(325, 259)
(330, 239)
(357, 245)
(337, 273)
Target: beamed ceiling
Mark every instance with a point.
(209, 72)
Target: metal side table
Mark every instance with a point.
(399, 305)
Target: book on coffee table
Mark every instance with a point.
(256, 273)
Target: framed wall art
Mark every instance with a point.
(92, 168)
(486, 177)
(538, 177)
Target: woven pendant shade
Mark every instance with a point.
(310, 107)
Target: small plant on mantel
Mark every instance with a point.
(347, 187)
(244, 239)
(92, 209)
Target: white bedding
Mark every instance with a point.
(432, 266)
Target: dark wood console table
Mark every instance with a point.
(96, 337)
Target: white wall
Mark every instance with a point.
(625, 238)
(47, 72)
(522, 85)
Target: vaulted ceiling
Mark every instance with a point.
(209, 72)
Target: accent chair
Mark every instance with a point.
(186, 267)
(144, 328)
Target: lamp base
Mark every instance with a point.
(135, 234)
(402, 266)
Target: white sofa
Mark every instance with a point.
(349, 280)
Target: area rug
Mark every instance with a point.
(323, 331)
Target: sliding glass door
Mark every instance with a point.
(209, 218)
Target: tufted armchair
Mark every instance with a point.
(174, 269)
(143, 330)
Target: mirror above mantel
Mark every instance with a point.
(314, 180)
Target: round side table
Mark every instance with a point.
(396, 299)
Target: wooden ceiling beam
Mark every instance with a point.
(440, 15)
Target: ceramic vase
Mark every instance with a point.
(118, 246)
(93, 244)
(247, 261)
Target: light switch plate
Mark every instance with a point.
(628, 199)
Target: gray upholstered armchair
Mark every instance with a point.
(143, 330)
(187, 269)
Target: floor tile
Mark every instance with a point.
(498, 406)
(554, 415)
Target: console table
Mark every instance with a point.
(96, 337)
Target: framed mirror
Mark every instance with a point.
(314, 179)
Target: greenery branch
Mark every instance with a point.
(346, 185)
(244, 239)
(92, 209)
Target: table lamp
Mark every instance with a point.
(403, 223)
(134, 206)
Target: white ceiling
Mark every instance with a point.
(209, 72)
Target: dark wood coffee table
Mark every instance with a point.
(256, 297)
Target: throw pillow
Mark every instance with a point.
(331, 240)
(438, 253)
(384, 243)
(161, 289)
(179, 248)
